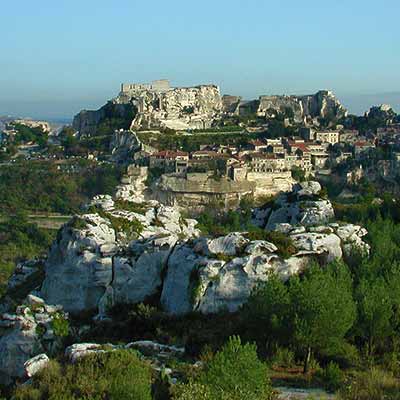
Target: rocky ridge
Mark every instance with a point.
(125, 249)
(200, 107)
(122, 252)
(34, 328)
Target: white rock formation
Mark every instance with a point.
(35, 364)
(92, 266)
(25, 334)
(303, 207)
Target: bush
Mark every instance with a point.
(374, 384)
(283, 357)
(283, 242)
(116, 375)
(235, 372)
(60, 325)
(332, 377)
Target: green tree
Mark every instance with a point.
(266, 314)
(374, 312)
(114, 375)
(323, 309)
(235, 372)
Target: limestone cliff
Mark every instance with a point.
(179, 108)
(195, 107)
(124, 252)
(112, 116)
(322, 104)
(199, 190)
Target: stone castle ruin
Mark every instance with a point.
(157, 86)
(158, 105)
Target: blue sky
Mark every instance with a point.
(57, 57)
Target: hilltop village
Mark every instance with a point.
(174, 222)
(196, 146)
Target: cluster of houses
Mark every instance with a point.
(311, 151)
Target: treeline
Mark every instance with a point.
(26, 134)
(51, 187)
(19, 241)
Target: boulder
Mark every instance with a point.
(228, 245)
(319, 244)
(24, 335)
(153, 349)
(35, 364)
(79, 350)
(76, 272)
(308, 189)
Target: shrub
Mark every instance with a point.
(60, 325)
(235, 372)
(130, 206)
(116, 375)
(374, 384)
(283, 242)
(283, 357)
(331, 376)
(192, 391)
(77, 223)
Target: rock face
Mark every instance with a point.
(89, 123)
(27, 333)
(123, 250)
(211, 275)
(115, 255)
(123, 144)
(175, 108)
(179, 108)
(321, 104)
(199, 190)
(303, 207)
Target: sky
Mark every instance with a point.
(58, 57)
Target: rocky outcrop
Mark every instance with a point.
(179, 108)
(112, 254)
(211, 275)
(322, 104)
(176, 108)
(123, 144)
(114, 115)
(43, 125)
(199, 190)
(123, 250)
(133, 185)
(28, 332)
(303, 206)
(383, 113)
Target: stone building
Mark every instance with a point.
(158, 86)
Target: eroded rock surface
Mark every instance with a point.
(28, 332)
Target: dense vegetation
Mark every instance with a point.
(28, 188)
(116, 375)
(51, 187)
(20, 240)
(26, 134)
